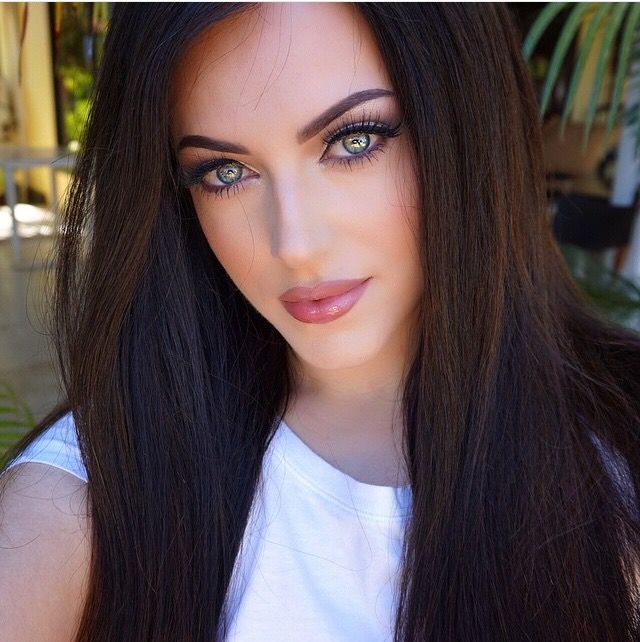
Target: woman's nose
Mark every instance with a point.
(299, 232)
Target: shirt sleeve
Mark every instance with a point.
(56, 446)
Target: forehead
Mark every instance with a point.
(274, 67)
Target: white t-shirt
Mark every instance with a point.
(321, 553)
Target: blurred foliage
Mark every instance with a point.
(78, 41)
(16, 419)
(618, 23)
(609, 31)
(615, 296)
(78, 85)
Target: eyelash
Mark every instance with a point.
(366, 125)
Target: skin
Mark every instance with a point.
(298, 219)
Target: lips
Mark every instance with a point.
(320, 291)
(301, 304)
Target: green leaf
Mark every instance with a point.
(539, 26)
(607, 41)
(9, 438)
(585, 50)
(12, 423)
(560, 51)
(615, 296)
(624, 61)
(15, 418)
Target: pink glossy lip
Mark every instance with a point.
(324, 302)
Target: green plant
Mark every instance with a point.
(16, 419)
(78, 85)
(619, 23)
(78, 38)
(615, 296)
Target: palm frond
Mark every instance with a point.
(539, 26)
(566, 36)
(620, 25)
(624, 60)
(583, 54)
(611, 30)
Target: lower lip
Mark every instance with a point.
(327, 309)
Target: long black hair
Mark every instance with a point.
(517, 529)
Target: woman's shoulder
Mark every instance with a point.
(57, 446)
(45, 537)
(45, 552)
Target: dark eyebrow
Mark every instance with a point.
(307, 132)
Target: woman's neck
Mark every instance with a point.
(353, 416)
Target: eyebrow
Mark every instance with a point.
(304, 134)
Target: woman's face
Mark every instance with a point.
(263, 91)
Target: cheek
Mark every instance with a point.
(394, 216)
(231, 239)
(398, 223)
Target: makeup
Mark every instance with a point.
(325, 302)
(370, 124)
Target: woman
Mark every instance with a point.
(440, 446)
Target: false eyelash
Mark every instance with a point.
(366, 124)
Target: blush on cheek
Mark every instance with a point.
(234, 247)
(218, 228)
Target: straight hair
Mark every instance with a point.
(518, 529)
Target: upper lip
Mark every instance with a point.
(320, 291)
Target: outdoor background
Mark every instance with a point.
(50, 54)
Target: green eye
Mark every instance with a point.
(357, 142)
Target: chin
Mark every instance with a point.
(338, 350)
